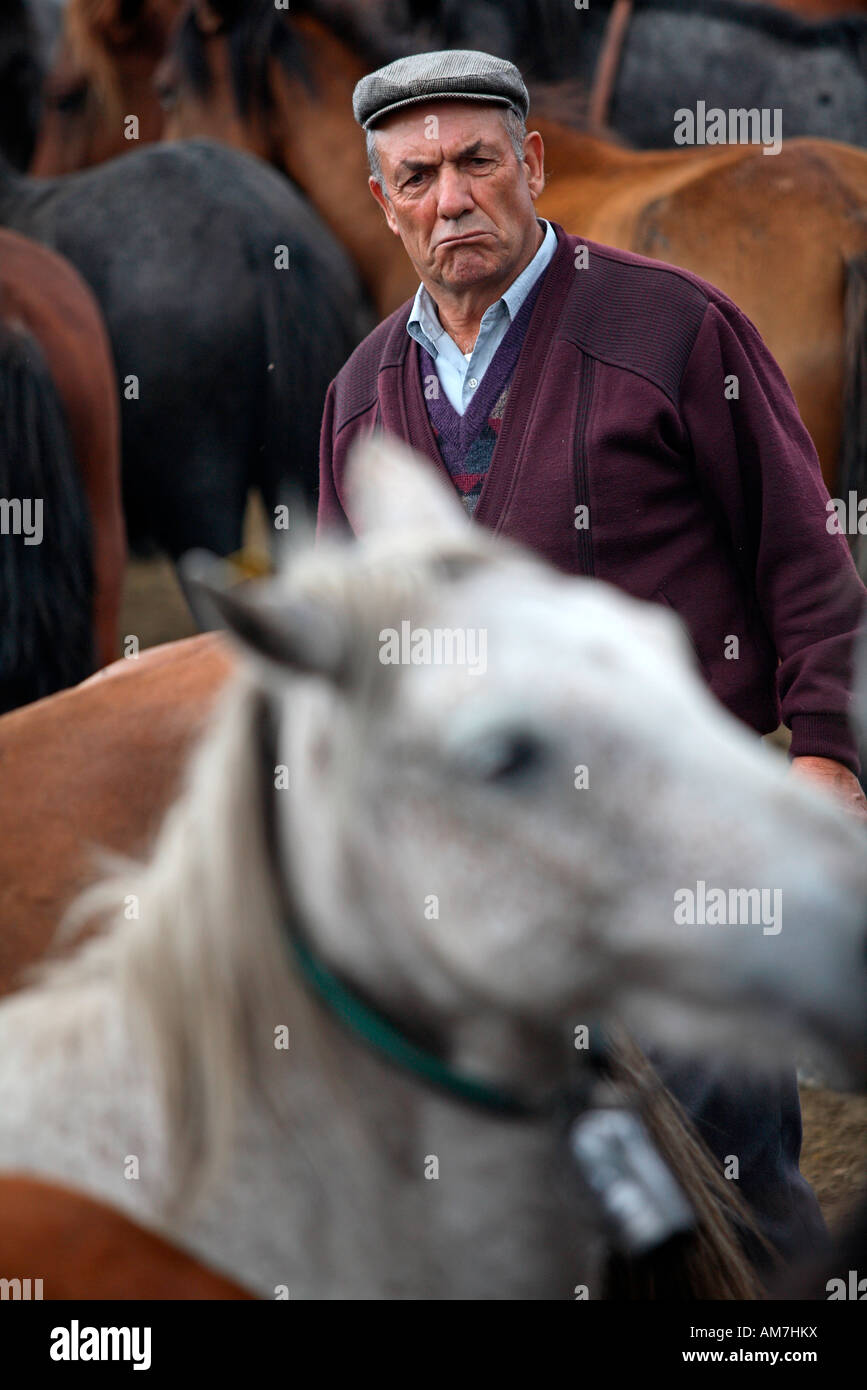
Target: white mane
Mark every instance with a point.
(192, 939)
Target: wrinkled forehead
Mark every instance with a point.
(439, 127)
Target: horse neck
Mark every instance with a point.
(573, 153)
(322, 150)
(590, 177)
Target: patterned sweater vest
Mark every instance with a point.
(466, 442)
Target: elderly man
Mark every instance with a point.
(625, 419)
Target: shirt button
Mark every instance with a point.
(473, 382)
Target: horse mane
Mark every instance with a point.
(198, 966)
(257, 33)
(194, 937)
(377, 32)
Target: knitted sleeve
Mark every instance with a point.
(758, 464)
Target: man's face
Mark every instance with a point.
(458, 198)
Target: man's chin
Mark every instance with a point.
(467, 265)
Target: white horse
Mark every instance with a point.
(489, 858)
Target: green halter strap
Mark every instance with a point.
(381, 1035)
(354, 1013)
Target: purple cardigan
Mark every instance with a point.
(715, 507)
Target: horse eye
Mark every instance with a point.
(71, 100)
(167, 96)
(506, 756)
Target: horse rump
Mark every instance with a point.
(46, 569)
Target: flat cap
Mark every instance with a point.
(462, 73)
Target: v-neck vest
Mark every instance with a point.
(466, 442)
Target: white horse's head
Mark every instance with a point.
(511, 797)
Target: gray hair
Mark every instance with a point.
(516, 129)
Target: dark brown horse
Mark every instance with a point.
(60, 586)
(229, 307)
(102, 74)
(113, 749)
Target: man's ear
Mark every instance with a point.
(288, 633)
(534, 158)
(379, 194)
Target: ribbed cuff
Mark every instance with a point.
(825, 736)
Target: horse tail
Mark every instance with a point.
(710, 1262)
(305, 351)
(853, 449)
(46, 569)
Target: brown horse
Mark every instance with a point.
(96, 765)
(59, 441)
(102, 75)
(785, 237)
(77, 1248)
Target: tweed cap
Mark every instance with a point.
(452, 72)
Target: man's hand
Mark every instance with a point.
(837, 780)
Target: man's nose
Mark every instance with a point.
(453, 193)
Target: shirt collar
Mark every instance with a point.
(424, 311)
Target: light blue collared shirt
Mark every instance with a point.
(461, 373)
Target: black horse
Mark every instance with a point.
(725, 53)
(229, 306)
(22, 70)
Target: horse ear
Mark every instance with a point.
(390, 487)
(285, 632)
